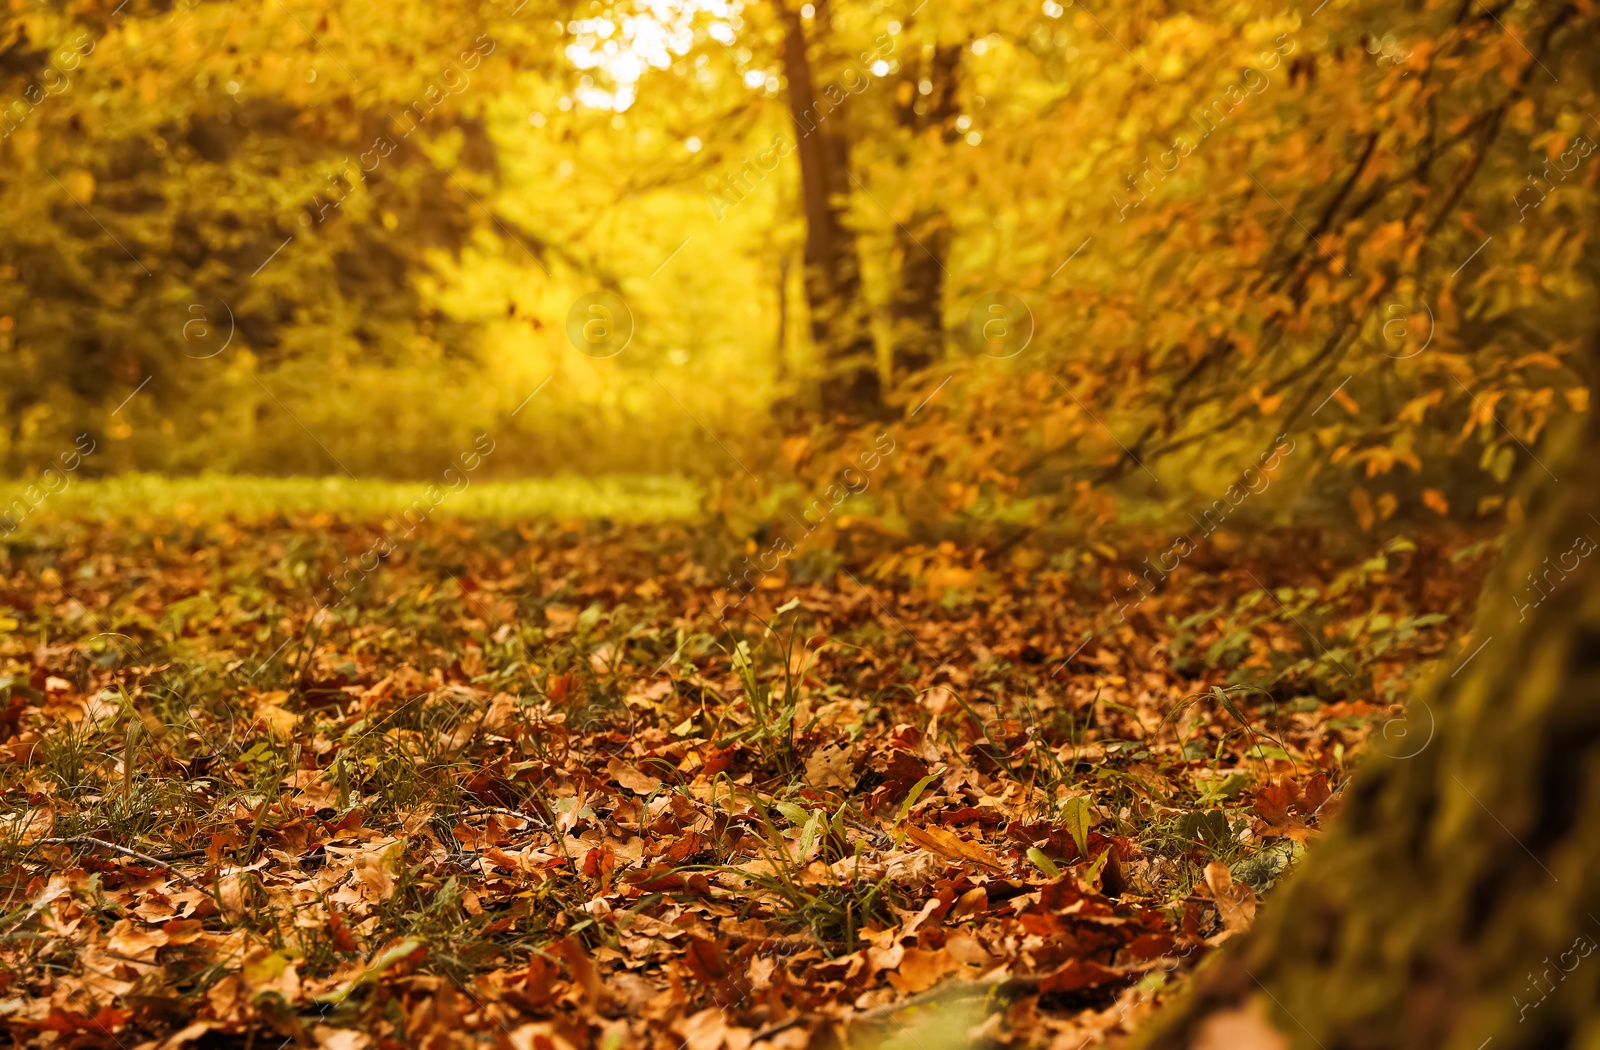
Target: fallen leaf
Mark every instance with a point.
(1236, 902)
(949, 844)
(921, 969)
(832, 767)
(136, 941)
(630, 777)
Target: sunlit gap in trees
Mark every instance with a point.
(625, 41)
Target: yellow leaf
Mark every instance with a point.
(1544, 358)
(80, 184)
(1415, 410)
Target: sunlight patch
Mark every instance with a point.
(623, 46)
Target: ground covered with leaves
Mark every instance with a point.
(559, 786)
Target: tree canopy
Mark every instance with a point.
(1140, 244)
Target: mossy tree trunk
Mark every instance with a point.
(1456, 902)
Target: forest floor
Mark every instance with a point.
(541, 785)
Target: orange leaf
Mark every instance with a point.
(1362, 504)
(921, 969)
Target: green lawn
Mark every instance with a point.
(216, 497)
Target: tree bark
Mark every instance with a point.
(839, 322)
(1456, 902)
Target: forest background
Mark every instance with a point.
(1031, 450)
(1097, 264)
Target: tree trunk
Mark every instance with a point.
(839, 324)
(781, 340)
(923, 243)
(918, 305)
(1456, 902)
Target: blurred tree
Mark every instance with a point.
(925, 106)
(1230, 226)
(839, 325)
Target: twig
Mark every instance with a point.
(878, 834)
(88, 840)
(503, 812)
(783, 1026)
(188, 854)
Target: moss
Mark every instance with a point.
(1450, 905)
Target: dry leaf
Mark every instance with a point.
(632, 778)
(921, 969)
(1236, 902)
(374, 874)
(949, 844)
(832, 767)
(135, 941)
(340, 1038)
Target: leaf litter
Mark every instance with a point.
(537, 786)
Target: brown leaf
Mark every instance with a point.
(709, 1030)
(1112, 882)
(831, 767)
(135, 941)
(183, 931)
(1317, 792)
(374, 874)
(1079, 973)
(571, 952)
(1273, 802)
(921, 969)
(340, 1038)
(949, 844)
(973, 902)
(559, 686)
(1236, 902)
(632, 778)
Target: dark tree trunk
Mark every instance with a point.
(922, 244)
(1456, 902)
(839, 323)
(918, 305)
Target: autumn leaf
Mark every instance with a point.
(948, 844)
(1236, 902)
